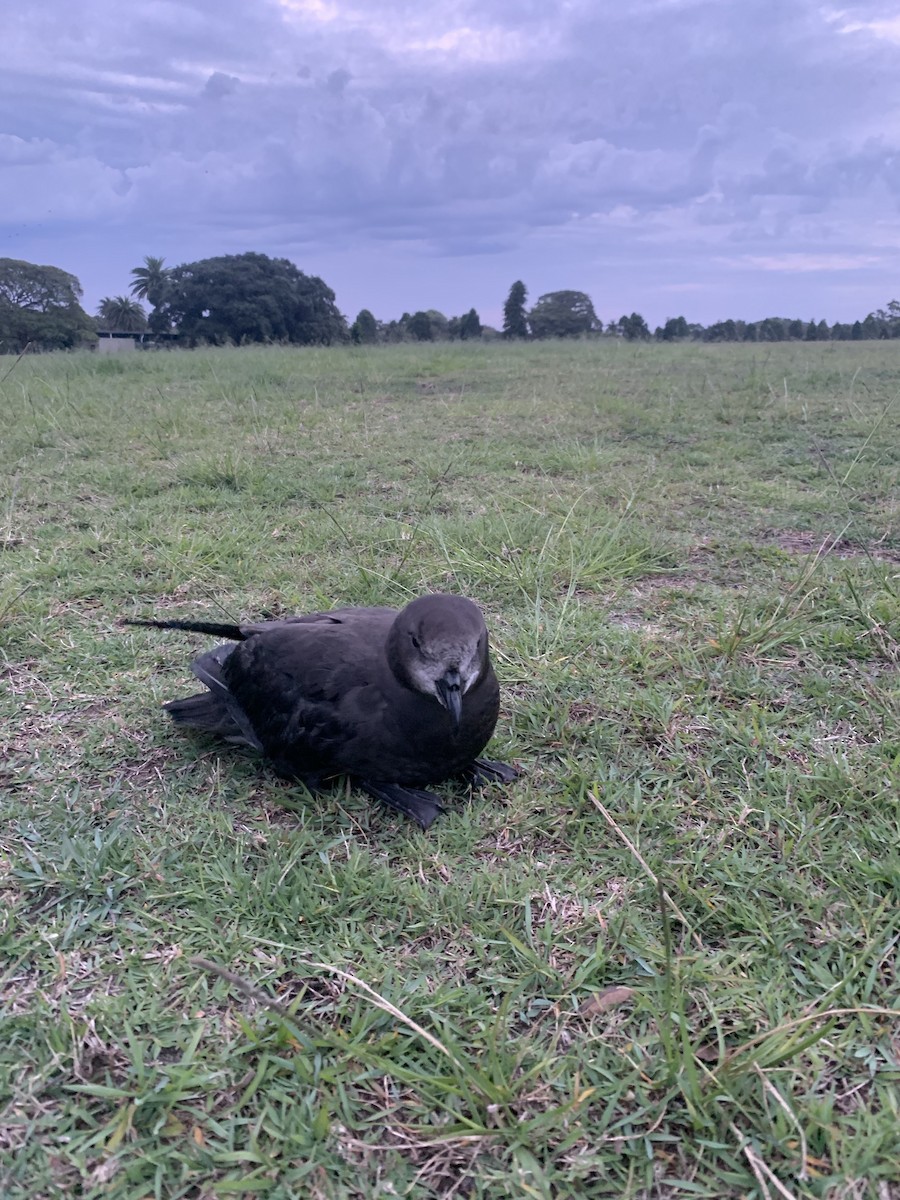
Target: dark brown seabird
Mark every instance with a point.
(395, 700)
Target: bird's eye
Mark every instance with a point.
(415, 641)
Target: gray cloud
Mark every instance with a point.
(470, 130)
(219, 84)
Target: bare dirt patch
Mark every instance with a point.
(804, 541)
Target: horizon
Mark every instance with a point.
(606, 322)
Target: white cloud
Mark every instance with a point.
(317, 10)
(802, 262)
(452, 34)
(887, 30)
(466, 45)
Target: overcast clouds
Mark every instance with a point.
(713, 158)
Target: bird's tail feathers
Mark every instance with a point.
(234, 632)
(208, 713)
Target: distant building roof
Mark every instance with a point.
(141, 334)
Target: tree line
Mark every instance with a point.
(571, 314)
(245, 298)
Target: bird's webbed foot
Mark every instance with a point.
(313, 781)
(421, 806)
(485, 770)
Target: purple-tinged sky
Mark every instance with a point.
(711, 158)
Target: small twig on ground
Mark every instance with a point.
(773, 1091)
(760, 1168)
(377, 999)
(826, 1015)
(242, 985)
(643, 862)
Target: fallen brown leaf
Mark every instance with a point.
(601, 1002)
(708, 1053)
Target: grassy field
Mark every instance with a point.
(664, 963)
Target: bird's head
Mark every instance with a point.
(438, 645)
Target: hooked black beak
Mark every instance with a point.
(449, 692)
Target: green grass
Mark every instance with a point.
(689, 559)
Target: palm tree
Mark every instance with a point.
(122, 314)
(150, 281)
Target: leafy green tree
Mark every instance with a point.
(795, 330)
(150, 282)
(439, 325)
(772, 329)
(250, 298)
(564, 314)
(870, 327)
(470, 325)
(722, 331)
(122, 314)
(515, 322)
(364, 329)
(812, 332)
(883, 323)
(824, 333)
(633, 327)
(856, 331)
(419, 326)
(674, 328)
(40, 305)
(395, 331)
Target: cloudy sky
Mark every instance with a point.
(712, 158)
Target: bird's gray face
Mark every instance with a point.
(438, 646)
(446, 671)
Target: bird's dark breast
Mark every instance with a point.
(421, 745)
